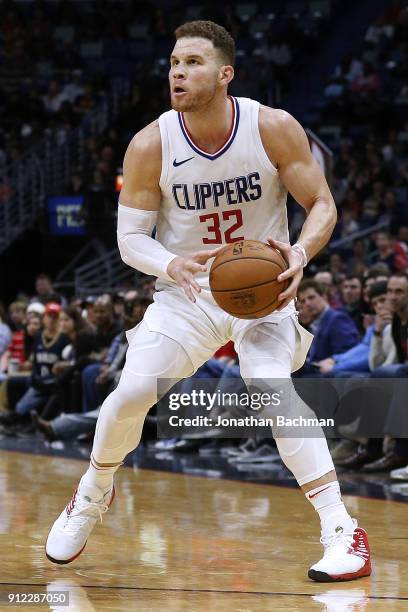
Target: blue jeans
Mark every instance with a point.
(90, 398)
(395, 370)
(213, 368)
(347, 374)
(69, 426)
(33, 399)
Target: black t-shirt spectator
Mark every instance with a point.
(104, 337)
(85, 343)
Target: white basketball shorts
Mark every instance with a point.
(202, 328)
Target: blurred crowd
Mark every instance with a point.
(56, 60)
(59, 357)
(363, 117)
(45, 82)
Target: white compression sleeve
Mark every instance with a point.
(137, 247)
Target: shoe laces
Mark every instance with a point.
(334, 541)
(338, 539)
(81, 512)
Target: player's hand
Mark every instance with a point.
(295, 271)
(183, 269)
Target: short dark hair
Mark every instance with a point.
(139, 300)
(377, 289)
(352, 277)
(378, 269)
(218, 35)
(312, 284)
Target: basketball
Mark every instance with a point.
(243, 279)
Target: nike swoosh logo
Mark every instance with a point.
(314, 494)
(176, 163)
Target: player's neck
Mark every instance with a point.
(209, 128)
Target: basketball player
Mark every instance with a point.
(211, 171)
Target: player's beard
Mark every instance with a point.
(195, 102)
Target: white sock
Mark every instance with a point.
(326, 500)
(101, 477)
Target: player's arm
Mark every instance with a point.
(139, 203)
(288, 148)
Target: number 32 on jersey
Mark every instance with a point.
(213, 224)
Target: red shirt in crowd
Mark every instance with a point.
(16, 346)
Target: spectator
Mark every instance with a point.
(35, 308)
(54, 97)
(133, 313)
(17, 384)
(109, 344)
(348, 224)
(88, 310)
(336, 266)
(17, 313)
(351, 293)
(47, 350)
(106, 326)
(393, 355)
(383, 352)
(34, 324)
(357, 264)
(21, 345)
(393, 255)
(5, 333)
(325, 279)
(68, 426)
(15, 350)
(75, 357)
(334, 331)
(375, 274)
(356, 359)
(44, 290)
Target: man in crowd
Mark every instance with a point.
(389, 253)
(334, 331)
(356, 359)
(45, 292)
(107, 329)
(351, 291)
(388, 356)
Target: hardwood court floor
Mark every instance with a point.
(180, 543)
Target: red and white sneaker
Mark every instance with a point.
(346, 556)
(70, 532)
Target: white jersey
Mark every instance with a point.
(214, 199)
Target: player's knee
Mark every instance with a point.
(133, 397)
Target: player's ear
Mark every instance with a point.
(226, 74)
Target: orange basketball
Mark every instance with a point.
(243, 279)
